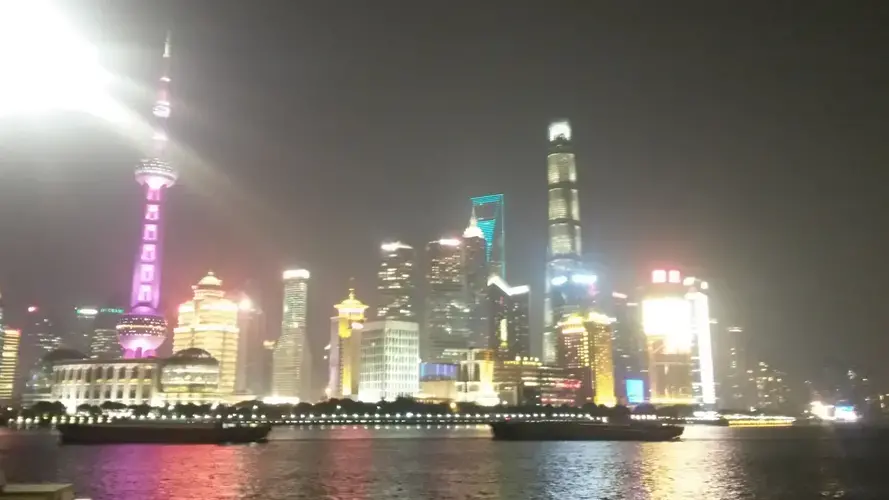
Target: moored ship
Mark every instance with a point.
(583, 431)
(162, 432)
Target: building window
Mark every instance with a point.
(145, 294)
(149, 252)
(149, 232)
(152, 212)
(146, 273)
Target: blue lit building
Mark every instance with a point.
(490, 219)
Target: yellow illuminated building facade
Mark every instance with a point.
(345, 347)
(210, 322)
(586, 353)
(9, 358)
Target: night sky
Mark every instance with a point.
(747, 142)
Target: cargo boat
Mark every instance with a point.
(583, 431)
(162, 432)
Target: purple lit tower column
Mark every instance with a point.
(143, 329)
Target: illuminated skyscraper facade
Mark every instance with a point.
(667, 324)
(509, 327)
(587, 356)
(390, 361)
(104, 343)
(396, 282)
(704, 376)
(143, 329)
(491, 219)
(288, 356)
(475, 282)
(9, 358)
(567, 282)
(447, 315)
(210, 322)
(345, 347)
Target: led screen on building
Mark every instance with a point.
(669, 318)
(635, 391)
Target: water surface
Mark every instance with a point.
(462, 463)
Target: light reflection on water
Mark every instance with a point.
(358, 462)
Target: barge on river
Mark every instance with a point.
(162, 432)
(583, 431)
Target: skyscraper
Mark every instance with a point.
(288, 357)
(81, 335)
(345, 347)
(587, 355)
(630, 368)
(251, 377)
(508, 325)
(736, 389)
(9, 357)
(566, 280)
(390, 361)
(396, 282)
(491, 220)
(103, 343)
(447, 315)
(667, 324)
(210, 322)
(143, 329)
(704, 382)
(475, 282)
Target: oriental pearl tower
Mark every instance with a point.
(143, 329)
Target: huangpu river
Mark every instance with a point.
(462, 463)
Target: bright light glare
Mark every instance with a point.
(670, 318)
(44, 64)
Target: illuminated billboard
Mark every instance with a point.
(635, 391)
(670, 319)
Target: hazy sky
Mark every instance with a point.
(745, 141)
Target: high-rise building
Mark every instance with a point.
(9, 357)
(587, 356)
(527, 381)
(252, 374)
(289, 350)
(475, 282)
(566, 279)
(509, 326)
(736, 390)
(390, 361)
(772, 391)
(630, 369)
(704, 381)
(81, 335)
(491, 220)
(345, 347)
(210, 322)
(396, 282)
(144, 328)
(669, 334)
(447, 315)
(104, 343)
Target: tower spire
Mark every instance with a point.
(472, 230)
